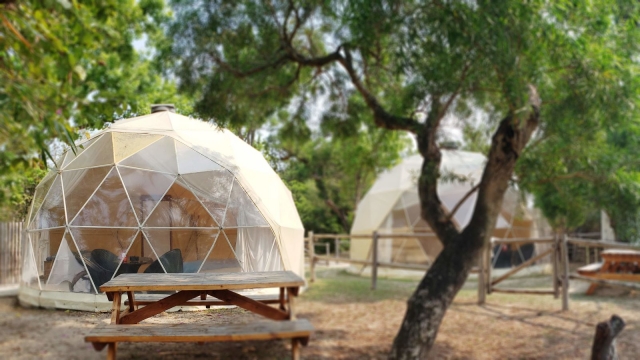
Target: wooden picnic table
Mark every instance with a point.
(188, 286)
(617, 264)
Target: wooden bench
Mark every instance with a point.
(620, 265)
(146, 299)
(109, 335)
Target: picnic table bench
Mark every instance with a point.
(621, 265)
(195, 289)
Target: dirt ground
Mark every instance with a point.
(352, 322)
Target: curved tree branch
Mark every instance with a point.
(381, 116)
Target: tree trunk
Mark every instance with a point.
(603, 343)
(428, 304)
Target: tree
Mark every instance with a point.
(413, 63)
(65, 65)
(335, 165)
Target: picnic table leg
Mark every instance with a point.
(282, 299)
(115, 310)
(132, 301)
(111, 351)
(295, 349)
(292, 292)
(203, 296)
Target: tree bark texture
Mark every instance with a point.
(428, 304)
(604, 341)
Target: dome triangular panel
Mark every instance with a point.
(213, 188)
(241, 211)
(51, 213)
(41, 192)
(190, 161)
(127, 144)
(70, 155)
(222, 257)
(79, 185)
(99, 153)
(108, 206)
(159, 156)
(68, 271)
(180, 208)
(145, 189)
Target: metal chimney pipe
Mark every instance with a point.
(162, 107)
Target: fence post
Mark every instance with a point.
(374, 265)
(565, 273)
(482, 292)
(554, 264)
(312, 257)
(489, 262)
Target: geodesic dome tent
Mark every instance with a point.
(392, 205)
(155, 193)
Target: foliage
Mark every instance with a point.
(18, 189)
(67, 64)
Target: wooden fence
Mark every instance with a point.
(559, 263)
(11, 234)
(558, 251)
(375, 263)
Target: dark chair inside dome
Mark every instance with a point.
(106, 259)
(102, 264)
(171, 260)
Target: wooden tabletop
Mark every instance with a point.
(202, 281)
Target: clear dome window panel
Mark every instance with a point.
(431, 247)
(241, 211)
(100, 153)
(213, 188)
(60, 160)
(108, 206)
(140, 256)
(159, 156)
(421, 227)
(399, 219)
(103, 250)
(191, 161)
(193, 246)
(165, 244)
(145, 189)
(410, 198)
(413, 212)
(79, 149)
(51, 213)
(30, 275)
(65, 271)
(41, 192)
(408, 251)
(256, 248)
(222, 258)
(127, 144)
(180, 208)
(79, 185)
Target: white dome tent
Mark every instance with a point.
(155, 193)
(392, 205)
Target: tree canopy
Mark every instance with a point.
(557, 72)
(66, 65)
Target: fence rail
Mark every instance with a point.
(558, 251)
(10, 240)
